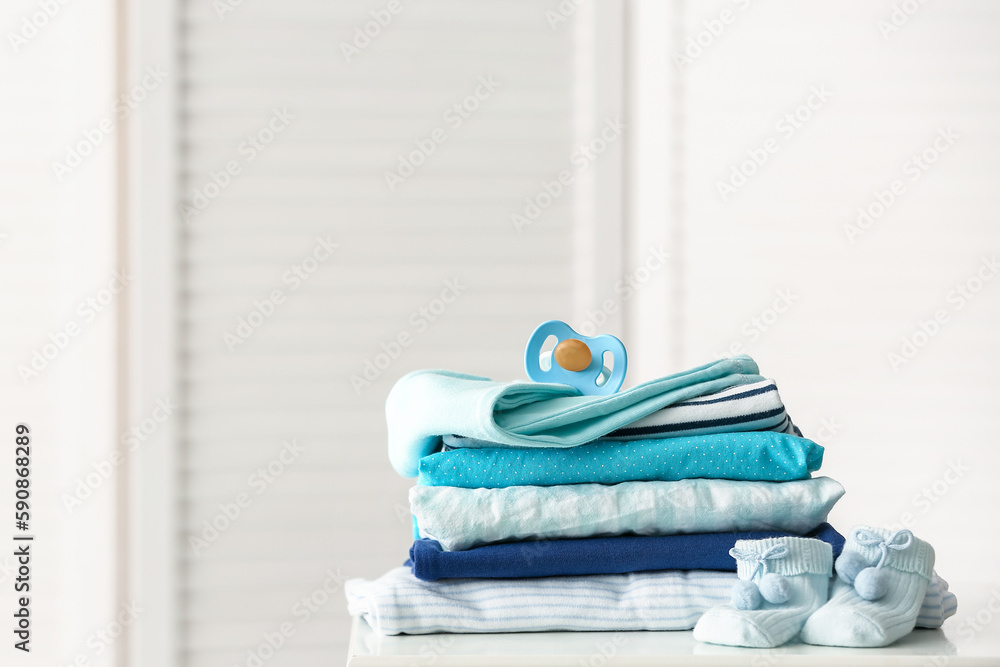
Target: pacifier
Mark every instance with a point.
(576, 360)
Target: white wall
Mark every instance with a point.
(891, 432)
(57, 253)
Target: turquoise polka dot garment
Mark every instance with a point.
(763, 456)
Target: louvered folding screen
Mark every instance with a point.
(434, 261)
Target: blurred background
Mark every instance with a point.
(227, 227)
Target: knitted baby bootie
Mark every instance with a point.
(782, 580)
(882, 577)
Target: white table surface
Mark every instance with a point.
(970, 638)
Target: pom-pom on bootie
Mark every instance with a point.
(882, 577)
(782, 580)
(748, 594)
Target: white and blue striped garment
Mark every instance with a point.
(748, 407)
(398, 602)
(939, 604)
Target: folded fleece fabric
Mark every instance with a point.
(755, 456)
(465, 518)
(399, 603)
(425, 405)
(593, 555)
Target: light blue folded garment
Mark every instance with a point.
(753, 456)
(425, 405)
(465, 518)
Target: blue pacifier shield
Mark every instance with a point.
(576, 360)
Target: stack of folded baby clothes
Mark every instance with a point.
(540, 509)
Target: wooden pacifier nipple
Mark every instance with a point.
(573, 355)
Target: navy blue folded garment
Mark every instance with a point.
(593, 555)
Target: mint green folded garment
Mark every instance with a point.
(425, 405)
(465, 518)
(755, 456)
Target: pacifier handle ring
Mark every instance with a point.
(617, 375)
(533, 350)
